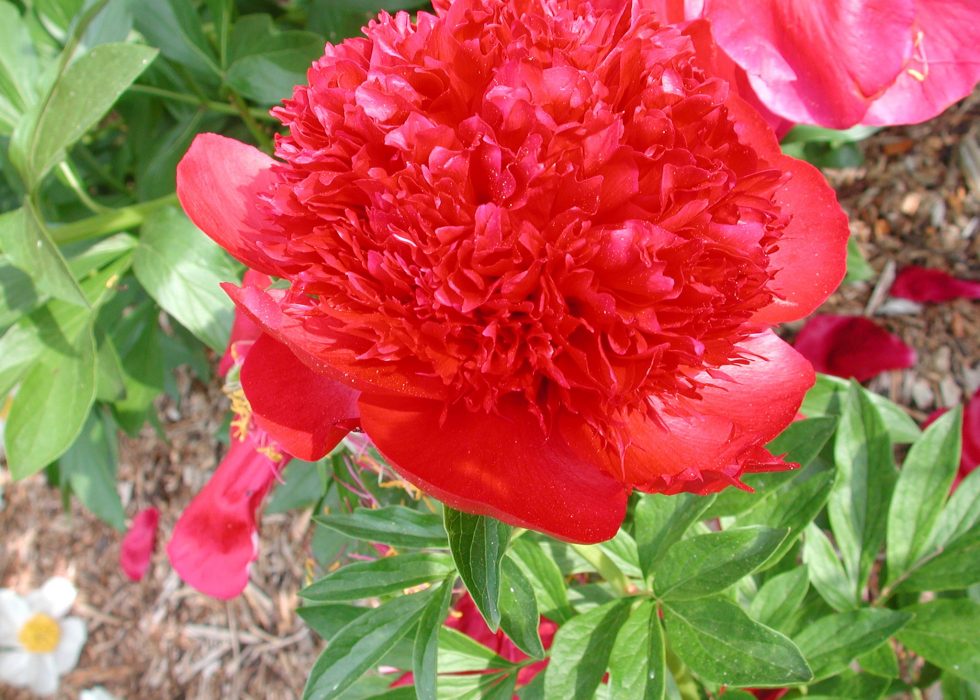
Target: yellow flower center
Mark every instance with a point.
(40, 634)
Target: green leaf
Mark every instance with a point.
(18, 295)
(137, 338)
(459, 653)
(367, 579)
(660, 521)
(637, 666)
(327, 619)
(266, 63)
(545, 578)
(826, 571)
(89, 468)
(51, 404)
(881, 661)
(426, 650)
(849, 686)
(858, 269)
(623, 552)
(924, 481)
(724, 645)
(86, 90)
(957, 567)
(779, 598)
(478, 544)
(944, 632)
(706, 564)
(826, 397)
(955, 688)
(960, 514)
(302, 485)
(518, 610)
(580, 651)
(397, 526)
(27, 244)
(175, 27)
(831, 643)
(858, 503)
(182, 269)
(363, 643)
(18, 65)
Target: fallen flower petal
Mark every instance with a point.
(852, 346)
(928, 285)
(138, 544)
(970, 456)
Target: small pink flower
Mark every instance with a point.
(852, 346)
(924, 284)
(138, 544)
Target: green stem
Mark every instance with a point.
(78, 187)
(682, 677)
(211, 105)
(112, 221)
(605, 566)
(260, 135)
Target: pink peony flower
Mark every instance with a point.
(138, 544)
(838, 63)
(526, 242)
(852, 346)
(923, 284)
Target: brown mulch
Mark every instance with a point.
(913, 202)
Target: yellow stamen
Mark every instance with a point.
(40, 634)
(270, 451)
(242, 410)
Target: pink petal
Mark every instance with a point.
(216, 538)
(721, 436)
(502, 465)
(138, 544)
(306, 412)
(852, 346)
(219, 181)
(923, 284)
(944, 67)
(817, 62)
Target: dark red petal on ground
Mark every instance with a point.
(852, 346)
(216, 538)
(305, 412)
(137, 546)
(924, 284)
(498, 465)
(219, 181)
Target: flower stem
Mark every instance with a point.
(112, 221)
(211, 105)
(613, 575)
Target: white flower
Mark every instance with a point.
(96, 693)
(37, 642)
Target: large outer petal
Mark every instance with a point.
(812, 257)
(327, 355)
(950, 46)
(816, 62)
(307, 413)
(501, 465)
(714, 440)
(219, 181)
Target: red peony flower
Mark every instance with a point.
(137, 546)
(838, 63)
(924, 284)
(852, 346)
(534, 251)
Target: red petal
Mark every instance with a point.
(811, 259)
(307, 413)
(723, 434)
(325, 354)
(970, 455)
(138, 544)
(216, 538)
(944, 67)
(852, 346)
(244, 331)
(922, 284)
(501, 465)
(816, 62)
(219, 181)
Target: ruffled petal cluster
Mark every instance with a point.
(534, 250)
